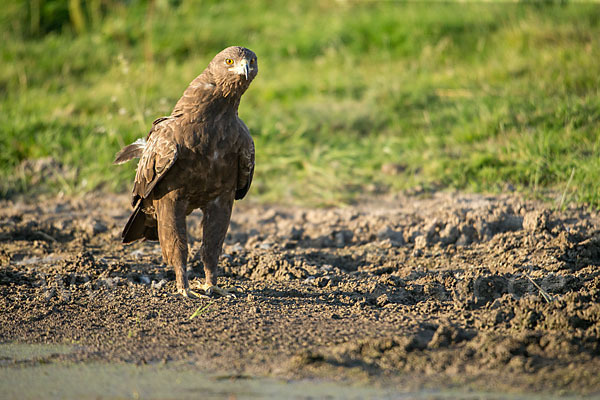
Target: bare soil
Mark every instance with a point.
(437, 290)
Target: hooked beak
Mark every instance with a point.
(242, 68)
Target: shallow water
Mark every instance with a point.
(10, 352)
(27, 373)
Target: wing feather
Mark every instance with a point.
(158, 157)
(245, 169)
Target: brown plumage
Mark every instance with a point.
(200, 156)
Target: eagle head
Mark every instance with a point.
(233, 69)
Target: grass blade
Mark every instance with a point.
(201, 310)
(544, 294)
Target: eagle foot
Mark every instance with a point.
(190, 294)
(213, 289)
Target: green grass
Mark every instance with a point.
(477, 97)
(201, 310)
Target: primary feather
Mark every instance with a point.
(127, 153)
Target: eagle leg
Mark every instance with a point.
(215, 222)
(172, 234)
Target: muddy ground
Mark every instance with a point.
(433, 290)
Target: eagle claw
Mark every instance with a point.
(190, 294)
(214, 289)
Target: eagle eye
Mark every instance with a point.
(229, 61)
(252, 61)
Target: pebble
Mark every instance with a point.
(420, 242)
(339, 239)
(535, 221)
(395, 237)
(158, 285)
(382, 300)
(92, 226)
(237, 248)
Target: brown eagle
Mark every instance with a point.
(200, 156)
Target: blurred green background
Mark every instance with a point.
(353, 98)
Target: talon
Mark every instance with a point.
(214, 289)
(190, 294)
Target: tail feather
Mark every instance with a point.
(134, 229)
(129, 152)
(138, 227)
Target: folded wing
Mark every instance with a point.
(160, 153)
(245, 169)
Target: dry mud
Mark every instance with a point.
(443, 290)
